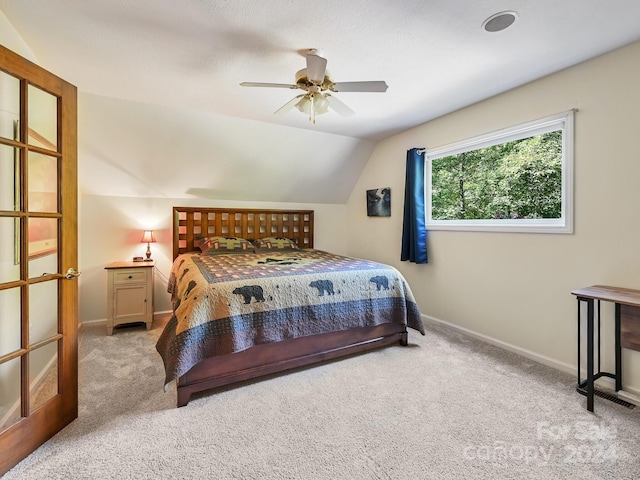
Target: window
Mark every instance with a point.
(518, 179)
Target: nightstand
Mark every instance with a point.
(129, 293)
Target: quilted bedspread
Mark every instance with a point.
(228, 303)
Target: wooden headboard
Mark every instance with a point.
(192, 223)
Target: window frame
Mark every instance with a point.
(563, 122)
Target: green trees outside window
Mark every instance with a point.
(517, 179)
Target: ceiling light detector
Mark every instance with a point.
(499, 21)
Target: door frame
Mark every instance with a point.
(33, 429)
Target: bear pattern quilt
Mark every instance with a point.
(227, 303)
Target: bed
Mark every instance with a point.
(253, 297)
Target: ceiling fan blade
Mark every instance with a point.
(273, 85)
(376, 86)
(338, 106)
(288, 106)
(316, 68)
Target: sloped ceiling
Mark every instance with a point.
(176, 67)
(132, 149)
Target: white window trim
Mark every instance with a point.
(564, 224)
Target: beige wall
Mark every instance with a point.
(11, 39)
(515, 288)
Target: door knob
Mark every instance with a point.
(72, 273)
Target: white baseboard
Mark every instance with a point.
(103, 321)
(536, 357)
(99, 321)
(629, 397)
(604, 383)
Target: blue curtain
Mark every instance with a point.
(414, 229)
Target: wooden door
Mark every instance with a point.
(38, 257)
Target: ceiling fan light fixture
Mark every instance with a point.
(304, 105)
(317, 83)
(313, 104)
(499, 21)
(320, 104)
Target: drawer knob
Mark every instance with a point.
(130, 277)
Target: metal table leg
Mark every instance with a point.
(590, 379)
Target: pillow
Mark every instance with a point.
(276, 243)
(213, 245)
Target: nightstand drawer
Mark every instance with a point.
(130, 276)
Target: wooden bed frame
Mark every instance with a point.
(189, 224)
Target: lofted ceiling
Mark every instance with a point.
(434, 55)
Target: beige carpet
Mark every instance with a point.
(446, 407)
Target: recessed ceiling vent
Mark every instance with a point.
(499, 21)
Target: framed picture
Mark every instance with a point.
(379, 202)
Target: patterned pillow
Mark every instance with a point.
(213, 245)
(276, 243)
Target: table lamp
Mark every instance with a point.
(148, 238)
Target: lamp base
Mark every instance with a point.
(148, 259)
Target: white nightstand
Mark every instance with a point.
(129, 293)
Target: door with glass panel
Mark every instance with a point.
(38, 257)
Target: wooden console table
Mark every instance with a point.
(627, 306)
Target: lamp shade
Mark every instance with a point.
(148, 237)
(304, 105)
(320, 103)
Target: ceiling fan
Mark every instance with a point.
(317, 84)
